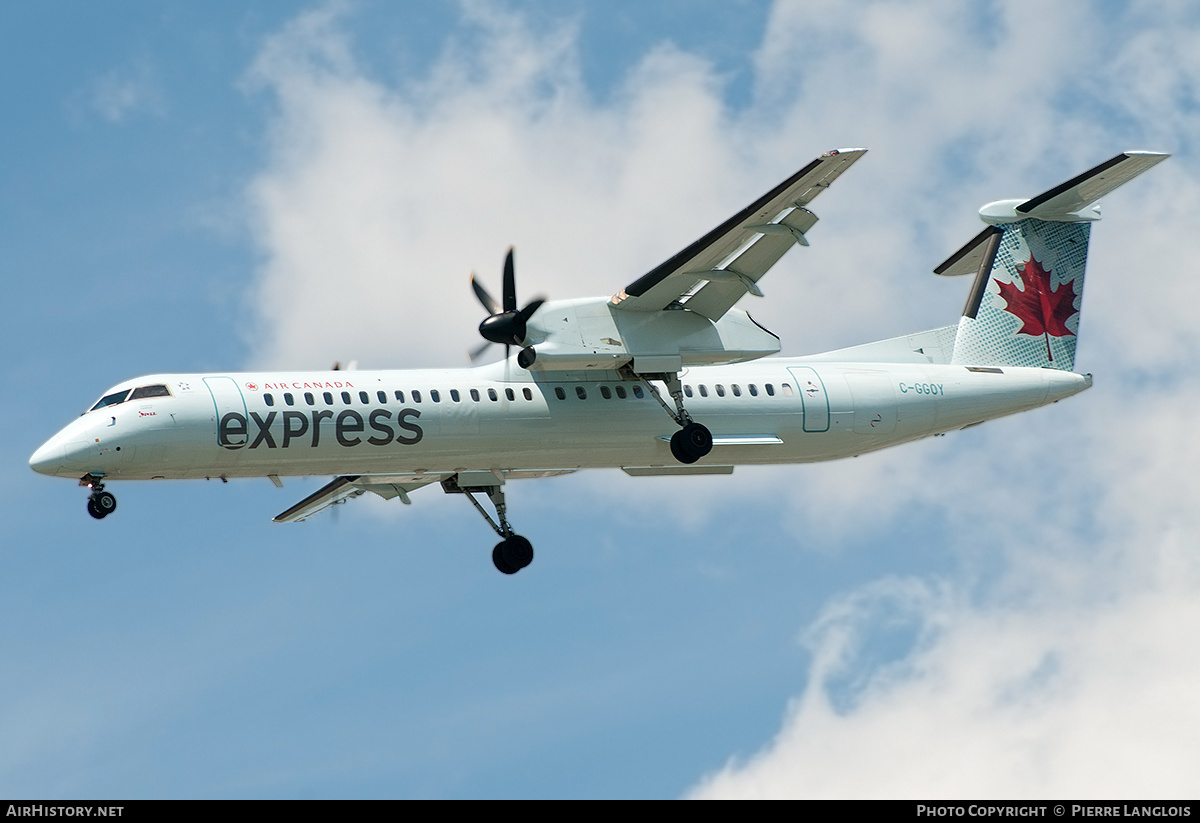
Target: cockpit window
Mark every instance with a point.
(150, 391)
(125, 395)
(111, 399)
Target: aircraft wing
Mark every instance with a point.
(387, 486)
(341, 489)
(713, 273)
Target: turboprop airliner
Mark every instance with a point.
(665, 377)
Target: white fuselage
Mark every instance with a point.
(505, 419)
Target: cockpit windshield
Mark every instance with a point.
(111, 399)
(140, 393)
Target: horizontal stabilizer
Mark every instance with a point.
(1067, 200)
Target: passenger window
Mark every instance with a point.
(143, 392)
(621, 392)
(399, 396)
(416, 396)
(605, 393)
(346, 397)
(687, 390)
(363, 397)
(581, 392)
(559, 393)
(269, 399)
(382, 395)
(703, 390)
(509, 394)
(720, 390)
(454, 395)
(328, 398)
(770, 390)
(637, 391)
(787, 389)
(737, 392)
(287, 398)
(753, 390)
(492, 395)
(528, 394)
(475, 395)
(308, 398)
(435, 396)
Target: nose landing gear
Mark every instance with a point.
(101, 503)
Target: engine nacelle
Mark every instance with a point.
(573, 335)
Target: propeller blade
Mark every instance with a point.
(486, 299)
(478, 353)
(528, 311)
(505, 324)
(510, 283)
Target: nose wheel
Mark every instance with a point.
(101, 503)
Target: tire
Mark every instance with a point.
(501, 563)
(697, 439)
(679, 449)
(517, 552)
(105, 503)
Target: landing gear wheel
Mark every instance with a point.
(691, 443)
(512, 554)
(517, 551)
(105, 503)
(498, 559)
(94, 510)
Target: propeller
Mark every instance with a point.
(505, 323)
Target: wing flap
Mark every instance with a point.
(778, 218)
(674, 471)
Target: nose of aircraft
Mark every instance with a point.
(65, 454)
(50, 457)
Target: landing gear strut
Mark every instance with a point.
(101, 503)
(693, 440)
(513, 552)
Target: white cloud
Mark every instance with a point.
(1069, 673)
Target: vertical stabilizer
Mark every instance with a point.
(1029, 268)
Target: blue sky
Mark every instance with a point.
(1006, 611)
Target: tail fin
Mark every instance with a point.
(1029, 265)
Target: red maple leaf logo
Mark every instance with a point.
(1041, 310)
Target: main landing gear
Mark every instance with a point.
(513, 552)
(101, 503)
(693, 440)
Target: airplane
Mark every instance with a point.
(583, 390)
